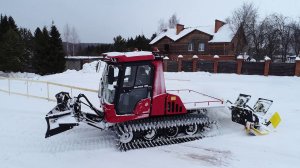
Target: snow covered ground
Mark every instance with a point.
(22, 129)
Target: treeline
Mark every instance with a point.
(41, 53)
(140, 42)
(272, 35)
(93, 50)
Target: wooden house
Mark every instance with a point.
(218, 39)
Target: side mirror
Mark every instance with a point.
(110, 75)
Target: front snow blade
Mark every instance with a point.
(59, 121)
(60, 118)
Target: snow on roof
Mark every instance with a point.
(224, 34)
(171, 33)
(128, 54)
(245, 57)
(267, 58)
(240, 57)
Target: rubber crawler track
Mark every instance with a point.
(160, 123)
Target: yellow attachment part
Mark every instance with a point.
(258, 132)
(173, 98)
(275, 119)
(253, 131)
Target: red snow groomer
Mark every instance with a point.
(135, 105)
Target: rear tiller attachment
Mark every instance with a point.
(256, 120)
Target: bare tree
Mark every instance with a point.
(256, 33)
(271, 35)
(246, 16)
(67, 33)
(275, 34)
(161, 26)
(173, 20)
(295, 40)
(282, 24)
(74, 39)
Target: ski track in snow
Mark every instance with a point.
(22, 129)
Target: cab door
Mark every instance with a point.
(136, 85)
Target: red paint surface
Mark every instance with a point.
(158, 105)
(142, 110)
(159, 86)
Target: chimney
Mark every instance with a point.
(179, 28)
(218, 25)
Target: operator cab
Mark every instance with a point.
(125, 83)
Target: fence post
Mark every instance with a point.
(297, 69)
(8, 81)
(216, 62)
(267, 66)
(27, 90)
(180, 57)
(48, 91)
(240, 59)
(195, 59)
(166, 59)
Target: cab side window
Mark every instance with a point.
(143, 75)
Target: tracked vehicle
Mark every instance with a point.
(135, 105)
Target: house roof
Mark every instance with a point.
(223, 35)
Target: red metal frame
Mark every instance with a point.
(216, 100)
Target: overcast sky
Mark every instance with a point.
(101, 20)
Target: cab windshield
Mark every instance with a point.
(107, 90)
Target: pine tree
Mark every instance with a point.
(40, 51)
(12, 47)
(57, 57)
(119, 44)
(130, 44)
(4, 26)
(20, 51)
(27, 40)
(12, 23)
(11, 52)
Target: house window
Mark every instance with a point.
(201, 47)
(190, 46)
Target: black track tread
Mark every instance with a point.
(162, 123)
